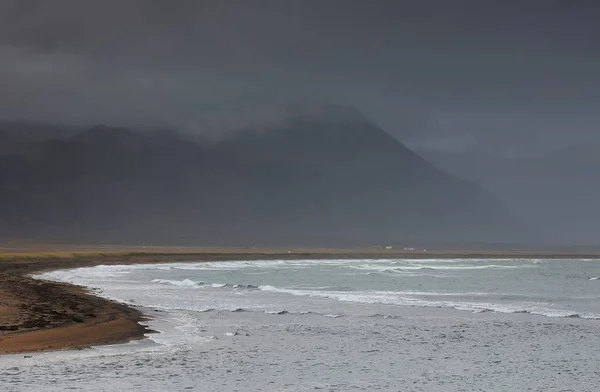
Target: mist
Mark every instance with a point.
(431, 70)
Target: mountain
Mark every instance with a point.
(558, 191)
(311, 180)
(14, 131)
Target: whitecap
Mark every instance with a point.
(183, 283)
(413, 299)
(276, 312)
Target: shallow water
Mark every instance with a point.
(338, 325)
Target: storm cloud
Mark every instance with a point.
(491, 73)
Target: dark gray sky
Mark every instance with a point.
(448, 73)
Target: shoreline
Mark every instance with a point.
(37, 315)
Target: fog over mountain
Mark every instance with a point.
(511, 80)
(494, 71)
(326, 178)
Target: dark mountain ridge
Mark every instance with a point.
(308, 181)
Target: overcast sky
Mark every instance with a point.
(449, 73)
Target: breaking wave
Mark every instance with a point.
(191, 283)
(412, 299)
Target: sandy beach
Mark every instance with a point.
(37, 315)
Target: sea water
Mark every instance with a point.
(338, 325)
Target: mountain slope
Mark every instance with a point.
(558, 192)
(309, 181)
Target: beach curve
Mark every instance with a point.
(38, 315)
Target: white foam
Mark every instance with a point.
(459, 267)
(184, 282)
(227, 296)
(380, 268)
(411, 299)
(276, 312)
(399, 266)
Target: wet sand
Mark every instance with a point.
(37, 315)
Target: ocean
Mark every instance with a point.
(338, 325)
